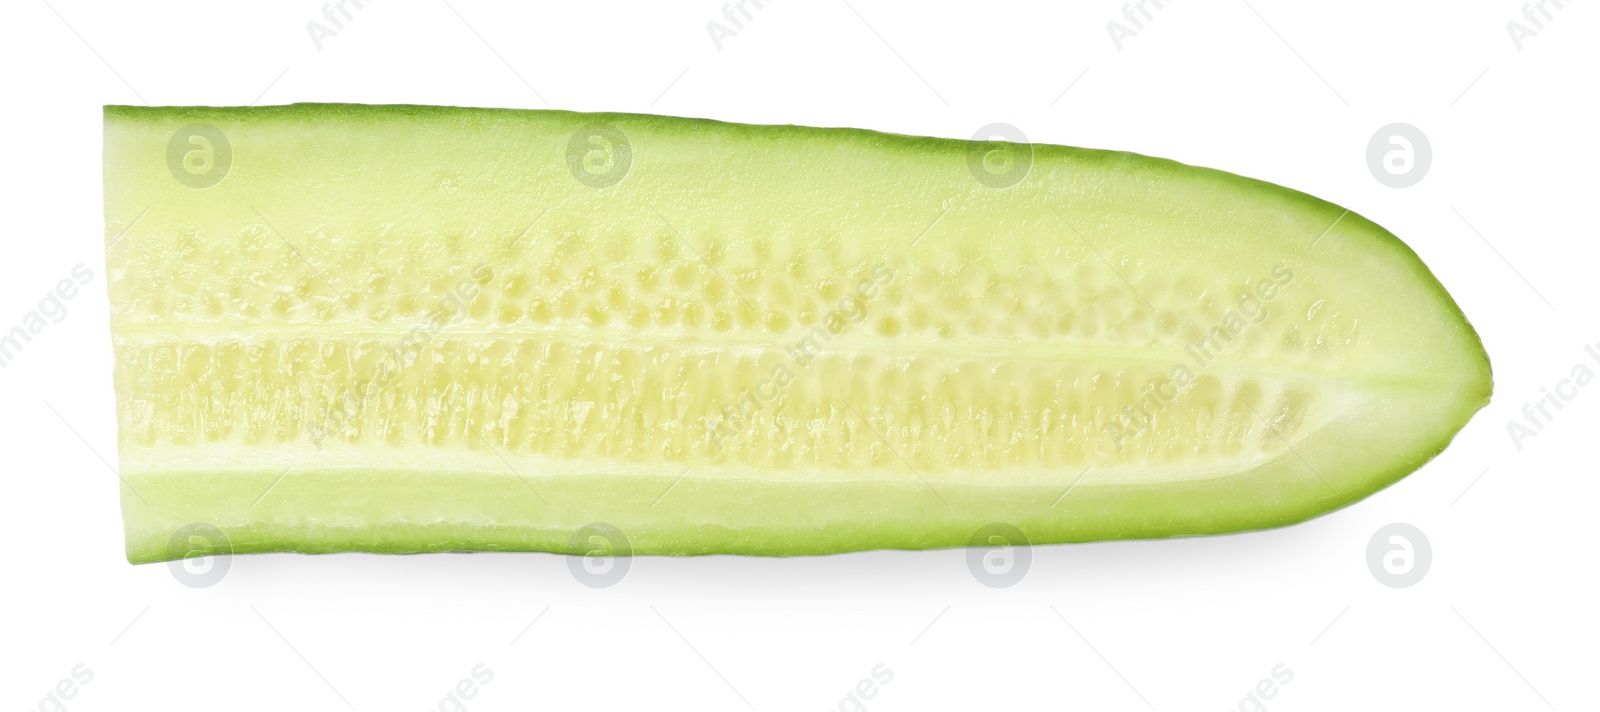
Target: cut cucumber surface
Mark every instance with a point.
(409, 329)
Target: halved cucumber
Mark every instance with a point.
(405, 329)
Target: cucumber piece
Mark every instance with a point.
(409, 329)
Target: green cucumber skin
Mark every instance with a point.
(912, 518)
(904, 516)
(920, 521)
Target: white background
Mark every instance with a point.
(1284, 91)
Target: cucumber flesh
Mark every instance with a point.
(408, 329)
